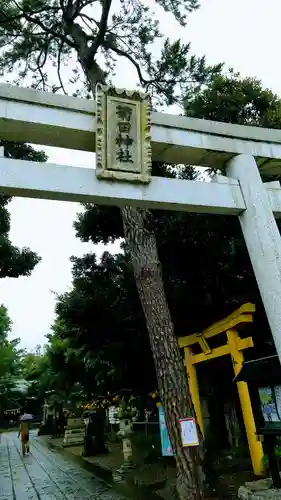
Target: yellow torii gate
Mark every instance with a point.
(234, 346)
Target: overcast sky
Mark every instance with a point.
(242, 33)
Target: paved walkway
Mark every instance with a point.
(45, 475)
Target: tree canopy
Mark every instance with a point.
(10, 356)
(36, 34)
(233, 99)
(103, 328)
(6, 356)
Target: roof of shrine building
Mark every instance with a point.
(58, 120)
(261, 372)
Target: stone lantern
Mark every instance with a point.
(125, 432)
(125, 427)
(125, 416)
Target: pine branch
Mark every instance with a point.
(16, 17)
(46, 29)
(154, 81)
(59, 67)
(102, 29)
(111, 45)
(86, 18)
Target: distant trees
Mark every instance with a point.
(10, 356)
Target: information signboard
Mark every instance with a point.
(189, 433)
(165, 440)
(270, 398)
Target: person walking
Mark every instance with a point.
(24, 436)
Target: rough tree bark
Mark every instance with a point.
(141, 241)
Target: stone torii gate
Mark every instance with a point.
(118, 125)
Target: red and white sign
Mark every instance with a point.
(189, 434)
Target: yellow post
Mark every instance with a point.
(193, 387)
(255, 446)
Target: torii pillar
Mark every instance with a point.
(262, 239)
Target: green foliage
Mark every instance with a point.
(37, 370)
(5, 323)
(277, 453)
(102, 331)
(32, 366)
(20, 151)
(9, 359)
(36, 35)
(233, 99)
(9, 353)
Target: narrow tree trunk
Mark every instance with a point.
(171, 376)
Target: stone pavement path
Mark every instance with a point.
(45, 475)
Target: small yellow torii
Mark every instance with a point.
(234, 346)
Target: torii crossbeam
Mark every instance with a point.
(46, 119)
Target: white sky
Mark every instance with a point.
(242, 33)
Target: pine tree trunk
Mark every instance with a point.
(171, 376)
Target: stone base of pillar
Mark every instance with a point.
(73, 437)
(259, 490)
(128, 455)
